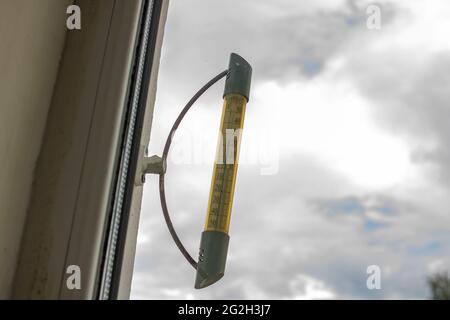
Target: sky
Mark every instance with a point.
(344, 157)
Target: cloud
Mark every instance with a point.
(289, 39)
(357, 124)
(413, 103)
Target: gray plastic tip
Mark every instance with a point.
(239, 77)
(212, 258)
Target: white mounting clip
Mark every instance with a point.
(148, 165)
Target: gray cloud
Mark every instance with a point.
(290, 235)
(281, 44)
(411, 101)
(309, 224)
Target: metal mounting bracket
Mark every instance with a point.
(148, 165)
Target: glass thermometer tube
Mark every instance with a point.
(226, 164)
(214, 242)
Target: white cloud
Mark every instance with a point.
(307, 288)
(360, 120)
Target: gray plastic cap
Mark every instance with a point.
(212, 258)
(239, 77)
